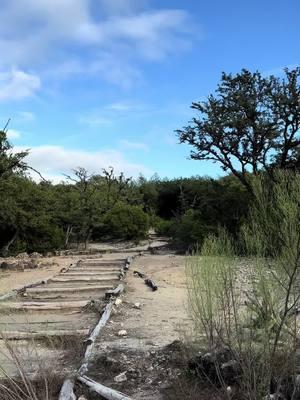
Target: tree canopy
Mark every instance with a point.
(251, 123)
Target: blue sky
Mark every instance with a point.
(96, 83)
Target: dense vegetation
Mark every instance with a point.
(249, 127)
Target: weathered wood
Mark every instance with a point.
(140, 274)
(151, 284)
(81, 279)
(67, 390)
(44, 306)
(15, 292)
(16, 335)
(66, 289)
(87, 274)
(115, 292)
(92, 338)
(104, 391)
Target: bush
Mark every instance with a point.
(251, 307)
(190, 230)
(127, 222)
(163, 227)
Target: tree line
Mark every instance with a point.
(249, 126)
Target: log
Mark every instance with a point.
(82, 279)
(104, 391)
(87, 274)
(21, 290)
(140, 274)
(115, 292)
(66, 289)
(151, 284)
(92, 338)
(67, 390)
(44, 306)
(16, 335)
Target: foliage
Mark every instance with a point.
(251, 307)
(127, 222)
(10, 162)
(250, 123)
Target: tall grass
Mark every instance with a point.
(250, 305)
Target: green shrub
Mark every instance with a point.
(190, 230)
(127, 222)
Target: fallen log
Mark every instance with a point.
(140, 274)
(92, 338)
(104, 391)
(115, 292)
(151, 284)
(67, 390)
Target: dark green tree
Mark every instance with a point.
(250, 123)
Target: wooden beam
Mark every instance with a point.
(81, 279)
(104, 391)
(44, 306)
(67, 289)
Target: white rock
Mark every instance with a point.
(118, 302)
(122, 332)
(121, 377)
(82, 398)
(137, 306)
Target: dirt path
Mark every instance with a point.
(159, 321)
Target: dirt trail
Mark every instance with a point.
(161, 319)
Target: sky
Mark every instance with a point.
(98, 83)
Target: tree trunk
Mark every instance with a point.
(5, 248)
(68, 234)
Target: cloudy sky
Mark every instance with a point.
(96, 83)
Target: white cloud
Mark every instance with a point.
(133, 145)
(52, 161)
(108, 37)
(13, 134)
(18, 84)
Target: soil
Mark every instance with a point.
(151, 352)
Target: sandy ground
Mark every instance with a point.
(163, 316)
(161, 320)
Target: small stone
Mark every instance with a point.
(82, 398)
(122, 332)
(118, 302)
(121, 377)
(137, 306)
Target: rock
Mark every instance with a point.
(22, 256)
(137, 306)
(35, 255)
(122, 332)
(121, 377)
(134, 373)
(82, 398)
(12, 265)
(118, 301)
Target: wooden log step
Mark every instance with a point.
(82, 279)
(94, 273)
(99, 264)
(16, 335)
(95, 269)
(23, 306)
(47, 289)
